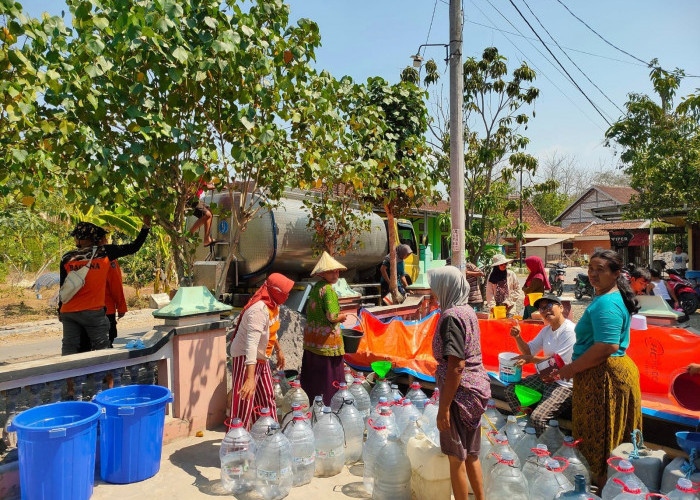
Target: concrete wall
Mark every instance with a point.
(589, 246)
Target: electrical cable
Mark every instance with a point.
(648, 64)
(430, 28)
(539, 71)
(572, 61)
(567, 48)
(560, 64)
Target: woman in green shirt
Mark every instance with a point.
(322, 362)
(607, 400)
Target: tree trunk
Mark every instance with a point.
(393, 278)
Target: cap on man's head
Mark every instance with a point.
(549, 298)
(88, 231)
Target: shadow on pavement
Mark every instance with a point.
(201, 455)
(354, 490)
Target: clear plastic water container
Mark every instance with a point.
(551, 481)
(492, 419)
(580, 491)
(552, 436)
(416, 393)
(259, 429)
(527, 443)
(237, 455)
(340, 395)
(381, 389)
(508, 482)
(513, 431)
(577, 462)
(376, 439)
(392, 472)
(273, 465)
(408, 410)
(295, 395)
(329, 440)
(624, 476)
(301, 437)
(354, 429)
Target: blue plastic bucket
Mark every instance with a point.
(131, 436)
(56, 445)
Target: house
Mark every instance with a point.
(597, 197)
(594, 236)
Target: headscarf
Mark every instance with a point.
(497, 276)
(536, 267)
(450, 285)
(274, 292)
(402, 251)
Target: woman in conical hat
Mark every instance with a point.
(322, 362)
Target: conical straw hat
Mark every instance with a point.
(327, 263)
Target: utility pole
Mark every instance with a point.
(456, 135)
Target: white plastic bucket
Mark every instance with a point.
(508, 371)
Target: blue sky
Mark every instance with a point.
(364, 38)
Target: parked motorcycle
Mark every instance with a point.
(688, 298)
(582, 286)
(557, 275)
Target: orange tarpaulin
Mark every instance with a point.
(660, 353)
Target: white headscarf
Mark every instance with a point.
(450, 285)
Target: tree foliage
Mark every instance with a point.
(661, 148)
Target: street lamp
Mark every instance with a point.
(418, 60)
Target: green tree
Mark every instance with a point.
(661, 148)
(160, 96)
(402, 176)
(550, 204)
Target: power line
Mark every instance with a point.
(539, 71)
(560, 64)
(430, 28)
(647, 63)
(572, 61)
(564, 46)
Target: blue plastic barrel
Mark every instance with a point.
(56, 445)
(131, 436)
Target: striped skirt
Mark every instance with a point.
(264, 392)
(607, 407)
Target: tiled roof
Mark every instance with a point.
(621, 194)
(601, 229)
(535, 222)
(578, 227)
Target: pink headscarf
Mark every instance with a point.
(536, 267)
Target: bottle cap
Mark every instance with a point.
(415, 385)
(318, 398)
(406, 402)
(326, 409)
(511, 419)
(554, 423)
(357, 381)
(382, 400)
(236, 422)
(530, 430)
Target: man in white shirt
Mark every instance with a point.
(680, 260)
(557, 338)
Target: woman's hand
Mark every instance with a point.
(247, 389)
(280, 359)
(443, 419)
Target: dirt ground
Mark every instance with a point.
(22, 305)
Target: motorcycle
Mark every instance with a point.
(557, 275)
(582, 286)
(688, 298)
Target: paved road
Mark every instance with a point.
(26, 343)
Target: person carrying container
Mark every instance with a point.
(556, 342)
(502, 287)
(250, 367)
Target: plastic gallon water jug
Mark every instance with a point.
(513, 431)
(237, 454)
(296, 395)
(412, 429)
(354, 430)
(683, 491)
(396, 392)
(552, 436)
(340, 395)
(301, 437)
(396, 406)
(317, 409)
(386, 418)
(435, 398)
(628, 492)
(259, 429)
(330, 444)
(430, 469)
(492, 419)
(349, 376)
(527, 443)
(284, 383)
(416, 393)
(381, 389)
(289, 415)
(273, 462)
(279, 395)
(551, 481)
(678, 468)
(624, 473)
(376, 439)
(500, 447)
(392, 472)
(577, 462)
(580, 491)
(408, 410)
(507, 480)
(536, 461)
(361, 396)
(430, 411)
